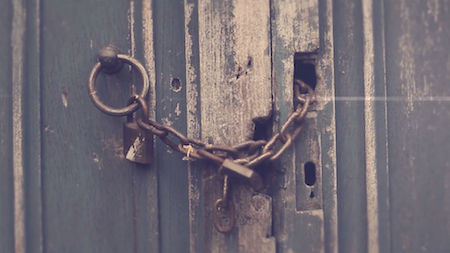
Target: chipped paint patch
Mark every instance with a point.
(149, 55)
(177, 110)
(167, 121)
(95, 159)
(64, 97)
(132, 50)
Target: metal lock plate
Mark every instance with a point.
(137, 143)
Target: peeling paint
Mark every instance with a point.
(177, 110)
(64, 97)
(18, 54)
(193, 125)
(167, 121)
(234, 92)
(407, 63)
(95, 159)
(246, 38)
(370, 136)
(149, 56)
(132, 50)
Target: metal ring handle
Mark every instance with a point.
(125, 110)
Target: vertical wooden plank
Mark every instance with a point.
(88, 201)
(145, 178)
(146, 188)
(18, 83)
(234, 63)
(193, 107)
(326, 117)
(369, 129)
(32, 130)
(375, 129)
(417, 78)
(305, 216)
(6, 140)
(381, 128)
(171, 110)
(349, 48)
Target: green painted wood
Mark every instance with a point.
(170, 63)
(32, 131)
(305, 222)
(93, 199)
(418, 70)
(348, 37)
(198, 214)
(381, 129)
(82, 196)
(6, 156)
(145, 178)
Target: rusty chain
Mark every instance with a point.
(240, 159)
(249, 153)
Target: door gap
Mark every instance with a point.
(305, 68)
(263, 131)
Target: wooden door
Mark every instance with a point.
(369, 173)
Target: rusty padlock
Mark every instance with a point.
(137, 143)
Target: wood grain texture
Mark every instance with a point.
(302, 223)
(93, 199)
(381, 128)
(6, 142)
(168, 20)
(81, 195)
(349, 49)
(234, 76)
(418, 72)
(197, 219)
(18, 83)
(32, 131)
(145, 180)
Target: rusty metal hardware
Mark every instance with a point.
(250, 176)
(224, 216)
(111, 61)
(107, 56)
(236, 161)
(249, 153)
(137, 143)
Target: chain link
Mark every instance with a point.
(240, 159)
(249, 153)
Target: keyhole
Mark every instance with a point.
(310, 173)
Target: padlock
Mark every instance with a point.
(137, 143)
(250, 176)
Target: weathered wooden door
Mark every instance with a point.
(369, 173)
